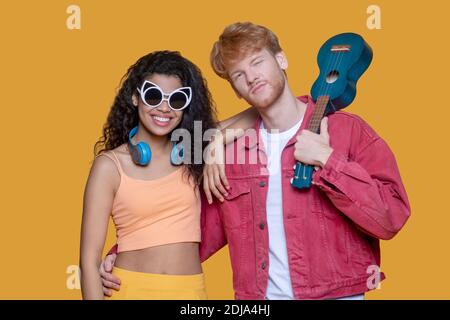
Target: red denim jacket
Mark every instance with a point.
(332, 229)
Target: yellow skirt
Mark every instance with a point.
(149, 286)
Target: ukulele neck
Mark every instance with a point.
(319, 111)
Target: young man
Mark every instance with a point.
(285, 243)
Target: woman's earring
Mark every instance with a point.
(134, 100)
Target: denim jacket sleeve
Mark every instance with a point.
(367, 189)
(213, 234)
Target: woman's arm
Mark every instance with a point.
(214, 178)
(97, 204)
(234, 127)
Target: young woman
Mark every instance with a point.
(137, 178)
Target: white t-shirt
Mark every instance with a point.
(279, 284)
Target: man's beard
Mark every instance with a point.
(276, 89)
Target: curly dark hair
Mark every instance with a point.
(123, 115)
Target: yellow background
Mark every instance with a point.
(57, 86)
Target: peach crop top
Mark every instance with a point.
(150, 213)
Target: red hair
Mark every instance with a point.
(238, 40)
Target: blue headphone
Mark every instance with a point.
(142, 154)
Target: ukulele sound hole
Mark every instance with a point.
(332, 76)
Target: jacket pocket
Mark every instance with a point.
(329, 233)
(361, 254)
(237, 204)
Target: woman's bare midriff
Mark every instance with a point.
(174, 258)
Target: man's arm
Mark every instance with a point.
(213, 234)
(213, 239)
(113, 250)
(109, 281)
(367, 189)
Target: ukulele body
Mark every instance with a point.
(344, 57)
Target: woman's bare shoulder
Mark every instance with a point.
(105, 164)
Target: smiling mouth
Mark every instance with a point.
(160, 121)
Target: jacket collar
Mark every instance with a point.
(310, 105)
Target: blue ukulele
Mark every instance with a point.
(342, 60)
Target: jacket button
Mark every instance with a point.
(263, 265)
(262, 225)
(262, 184)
